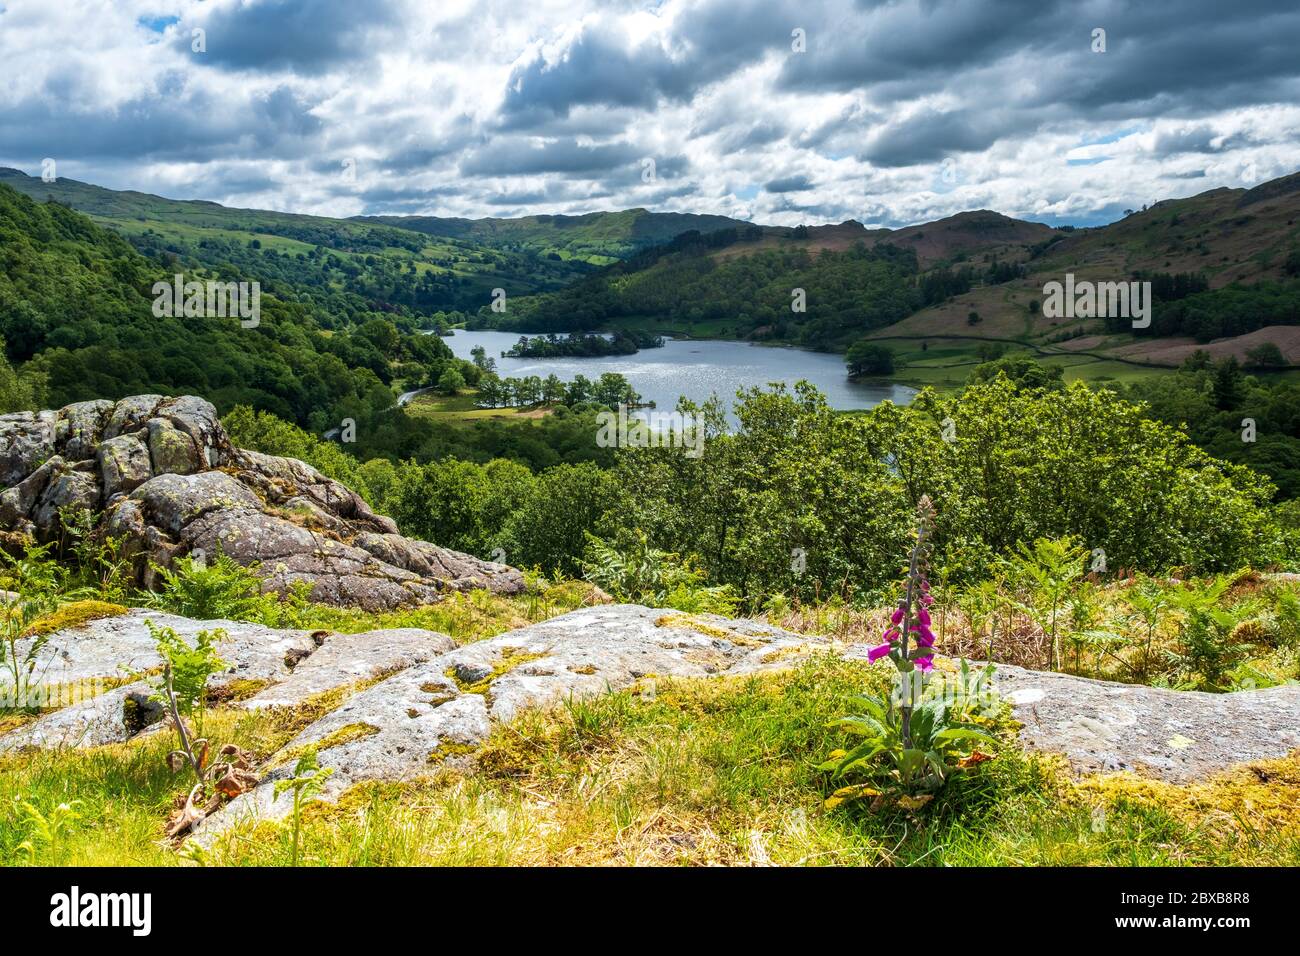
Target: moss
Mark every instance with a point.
(784, 653)
(74, 614)
(344, 735)
(440, 693)
(241, 688)
(448, 749)
(1258, 797)
(691, 623)
(507, 663)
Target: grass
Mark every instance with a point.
(462, 407)
(688, 772)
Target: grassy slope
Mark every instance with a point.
(1231, 235)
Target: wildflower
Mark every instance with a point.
(876, 653)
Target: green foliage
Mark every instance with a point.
(1022, 465)
(942, 730)
(1050, 567)
(189, 669)
(1021, 370)
(451, 381)
(74, 305)
(1207, 649)
(19, 391)
(869, 358)
(640, 574)
(47, 833)
(305, 784)
(847, 293)
(220, 587)
(1212, 403)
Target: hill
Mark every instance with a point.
(598, 237)
(363, 266)
(77, 306)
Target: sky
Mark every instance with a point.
(776, 111)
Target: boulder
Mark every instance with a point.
(171, 484)
(124, 464)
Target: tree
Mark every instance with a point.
(451, 381)
(19, 391)
(1265, 355)
(1021, 370)
(869, 358)
(1228, 384)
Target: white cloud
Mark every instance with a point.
(541, 106)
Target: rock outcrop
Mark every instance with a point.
(161, 474)
(407, 702)
(1175, 735)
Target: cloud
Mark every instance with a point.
(304, 36)
(477, 107)
(789, 184)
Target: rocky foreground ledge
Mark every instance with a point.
(162, 474)
(416, 702)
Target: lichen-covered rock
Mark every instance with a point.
(124, 464)
(26, 443)
(173, 485)
(438, 712)
(1174, 735)
(171, 450)
(80, 427)
(76, 660)
(345, 659)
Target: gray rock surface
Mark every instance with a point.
(438, 712)
(113, 648)
(1174, 735)
(346, 659)
(170, 482)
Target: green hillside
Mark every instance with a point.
(350, 267)
(76, 305)
(597, 237)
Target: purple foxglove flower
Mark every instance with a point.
(897, 617)
(876, 653)
(923, 615)
(924, 663)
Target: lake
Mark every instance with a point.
(696, 368)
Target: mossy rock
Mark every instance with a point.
(75, 614)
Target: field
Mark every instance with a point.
(461, 408)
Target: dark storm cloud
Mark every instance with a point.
(508, 157)
(789, 184)
(930, 136)
(1030, 54)
(709, 42)
(305, 36)
(194, 126)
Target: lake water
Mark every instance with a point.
(696, 368)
